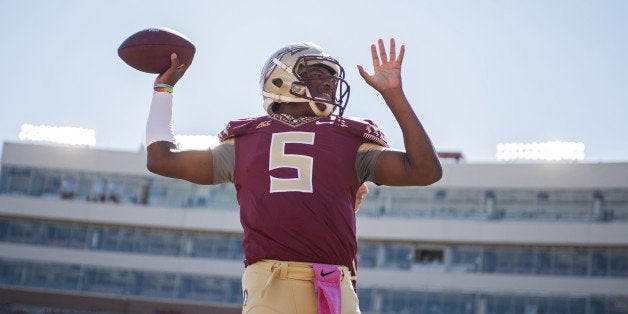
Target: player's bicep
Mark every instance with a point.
(390, 168)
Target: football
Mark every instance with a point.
(149, 49)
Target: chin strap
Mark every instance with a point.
(269, 99)
(328, 108)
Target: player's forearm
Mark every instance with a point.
(421, 162)
(159, 124)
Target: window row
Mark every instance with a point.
(421, 203)
(122, 239)
(88, 279)
(591, 206)
(114, 188)
(435, 302)
(562, 261)
(533, 260)
(92, 279)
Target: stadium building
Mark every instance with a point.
(85, 230)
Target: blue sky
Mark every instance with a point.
(477, 73)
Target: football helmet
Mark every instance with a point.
(284, 78)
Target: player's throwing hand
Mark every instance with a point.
(174, 73)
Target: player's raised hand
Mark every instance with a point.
(174, 73)
(386, 67)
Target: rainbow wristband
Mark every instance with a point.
(163, 88)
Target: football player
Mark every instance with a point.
(297, 171)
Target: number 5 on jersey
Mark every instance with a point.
(279, 159)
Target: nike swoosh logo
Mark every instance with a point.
(325, 274)
(324, 122)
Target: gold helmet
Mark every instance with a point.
(284, 78)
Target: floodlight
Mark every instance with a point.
(195, 142)
(58, 134)
(550, 151)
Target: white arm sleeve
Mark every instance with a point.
(159, 125)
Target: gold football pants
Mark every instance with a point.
(276, 287)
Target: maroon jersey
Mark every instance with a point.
(296, 183)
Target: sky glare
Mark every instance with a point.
(478, 73)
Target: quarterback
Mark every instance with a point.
(297, 170)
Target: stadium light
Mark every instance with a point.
(195, 142)
(550, 151)
(58, 134)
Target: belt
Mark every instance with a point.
(291, 270)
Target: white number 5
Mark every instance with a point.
(279, 159)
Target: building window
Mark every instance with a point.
(15, 180)
(68, 188)
(397, 256)
(440, 194)
(619, 263)
(367, 255)
(465, 259)
(429, 259)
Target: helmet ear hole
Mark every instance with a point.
(277, 82)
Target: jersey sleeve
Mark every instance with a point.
(374, 142)
(223, 161)
(366, 159)
(224, 153)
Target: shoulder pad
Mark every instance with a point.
(366, 129)
(241, 126)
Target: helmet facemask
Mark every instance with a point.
(303, 87)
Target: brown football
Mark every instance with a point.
(149, 49)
